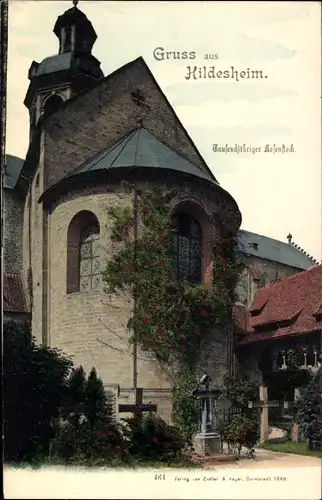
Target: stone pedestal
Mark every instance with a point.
(207, 443)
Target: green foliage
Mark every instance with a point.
(87, 432)
(309, 411)
(240, 429)
(34, 384)
(73, 404)
(185, 407)
(153, 439)
(291, 447)
(171, 316)
(95, 400)
(239, 392)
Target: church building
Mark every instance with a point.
(94, 139)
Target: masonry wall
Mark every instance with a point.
(97, 119)
(258, 268)
(79, 321)
(12, 231)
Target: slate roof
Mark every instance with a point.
(13, 168)
(273, 250)
(58, 62)
(286, 308)
(13, 294)
(140, 148)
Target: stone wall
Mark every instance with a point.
(97, 119)
(12, 230)
(77, 322)
(257, 269)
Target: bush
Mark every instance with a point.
(309, 412)
(87, 445)
(153, 439)
(34, 384)
(87, 434)
(240, 430)
(185, 407)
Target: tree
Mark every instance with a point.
(309, 411)
(95, 400)
(74, 401)
(34, 385)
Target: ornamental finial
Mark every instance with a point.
(75, 2)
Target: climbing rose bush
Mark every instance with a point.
(171, 316)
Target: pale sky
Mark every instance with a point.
(276, 193)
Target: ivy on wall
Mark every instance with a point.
(171, 316)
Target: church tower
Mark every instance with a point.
(62, 76)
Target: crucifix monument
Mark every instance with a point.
(207, 441)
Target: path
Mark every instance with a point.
(272, 459)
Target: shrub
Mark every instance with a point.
(34, 384)
(153, 438)
(309, 412)
(87, 435)
(240, 430)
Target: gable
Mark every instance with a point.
(96, 120)
(287, 308)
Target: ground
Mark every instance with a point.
(265, 459)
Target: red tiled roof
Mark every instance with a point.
(13, 294)
(286, 308)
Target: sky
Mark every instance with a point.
(277, 193)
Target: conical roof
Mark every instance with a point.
(140, 148)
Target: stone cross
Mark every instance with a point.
(139, 98)
(208, 420)
(138, 408)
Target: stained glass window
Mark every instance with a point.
(90, 269)
(186, 244)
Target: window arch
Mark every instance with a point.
(186, 244)
(83, 253)
(52, 104)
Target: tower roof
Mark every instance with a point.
(58, 62)
(75, 17)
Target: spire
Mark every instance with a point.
(75, 31)
(62, 76)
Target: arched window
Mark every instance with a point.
(89, 263)
(186, 243)
(52, 104)
(83, 253)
